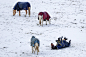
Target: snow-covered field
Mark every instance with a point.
(68, 19)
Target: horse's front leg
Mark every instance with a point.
(37, 50)
(40, 22)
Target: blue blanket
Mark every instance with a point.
(63, 44)
(34, 40)
(21, 6)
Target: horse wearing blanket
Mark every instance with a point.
(44, 16)
(35, 43)
(22, 6)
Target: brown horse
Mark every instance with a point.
(22, 6)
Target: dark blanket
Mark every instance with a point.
(46, 16)
(21, 6)
(34, 40)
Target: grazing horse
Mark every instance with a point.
(35, 43)
(44, 16)
(22, 6)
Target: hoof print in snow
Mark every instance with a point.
(26, 33)
(22, 52)
(55, 18)
(74, 19)
(4, 47)
(37, 24)
(82, 26)
(15, 52)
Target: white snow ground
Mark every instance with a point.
(68, 19)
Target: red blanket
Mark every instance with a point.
(45, 15)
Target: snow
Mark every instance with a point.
(68, 19)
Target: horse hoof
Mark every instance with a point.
(25, 15)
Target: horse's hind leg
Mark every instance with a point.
(26, 12)
(19, 13)
(49, 21)
(46, 21)
(38, 49)
(37, 52)
(29, 11)
(32, 49)
(42, 21)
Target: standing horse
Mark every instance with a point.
(35, 43)
(22, 6)
(44, 16)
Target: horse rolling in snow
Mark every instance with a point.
(35, 43)
(22, 6)
(43, 16)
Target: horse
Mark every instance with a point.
(35, 43)
(43, 16)
(22, 6)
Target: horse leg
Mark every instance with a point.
(38, 49)
(46, 21)
(29, 11)
(19, 13)
(26, 12)
(37, 52)
(32, 49)
(49, 21)
(42, 21)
